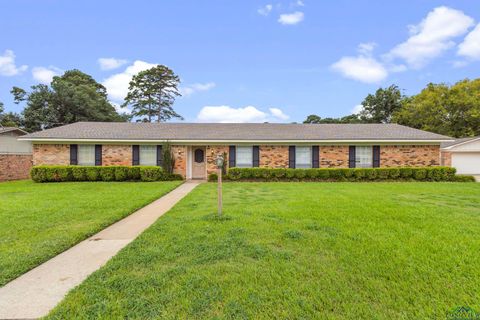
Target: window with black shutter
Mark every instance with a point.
(376, 156)
(256, 156)
(315, 157)
(135, 155)
(351, 157)
(291, 157)
(159, 156)
(232, 157)
(98, 154)
(73, 154)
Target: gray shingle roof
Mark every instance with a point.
(233, 132)
(9, 129)
(452, 143)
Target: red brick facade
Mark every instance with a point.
(446, 158)
(15, 166)
(271, 156)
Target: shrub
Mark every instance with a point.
(463, 178)
(213, 177)
(121, 173)
(107, 173)
(79, 173)
(93, 173)
(98, 173)
(150, 173)
(342, 174)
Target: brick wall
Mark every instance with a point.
(409, 156)
(117, 155)
(273, 156)
(211, 157)
(333, 156)
(446, 158)
(15, 166)
(180, 154)
(51, 154)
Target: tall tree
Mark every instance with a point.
(380, 107)
(74, 96)
(313, 118)
(449, 110)
(152, 93)
(10, 119)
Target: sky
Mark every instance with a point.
(244, 61)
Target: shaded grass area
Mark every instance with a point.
(38, 221)
(297, 251)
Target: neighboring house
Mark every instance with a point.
(15, 155)
(197, 145)
(464, 155)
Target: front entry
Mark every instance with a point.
(198, 163)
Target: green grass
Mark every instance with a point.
(39, 221)
(297, 251)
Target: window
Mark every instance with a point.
(148, 155)
(86, 154)
(199, 156)
(244, 157)
(363, 157)
(303, 157)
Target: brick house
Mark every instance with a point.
(15, 155)
(197, 145)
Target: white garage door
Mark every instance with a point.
(466, 163)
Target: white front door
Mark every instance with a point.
(198, 163)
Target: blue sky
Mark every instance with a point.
(245, 60)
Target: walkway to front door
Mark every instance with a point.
(199, 170)
(38, 291)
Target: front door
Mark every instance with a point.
(198, 170)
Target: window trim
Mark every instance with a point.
(250, 165)
(79, 154)
(303, 165)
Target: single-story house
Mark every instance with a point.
(15, 155)
(197, 145)
(462, 154)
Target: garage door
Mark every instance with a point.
(466, 163)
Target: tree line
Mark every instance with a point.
(452, 110)
(76, 96)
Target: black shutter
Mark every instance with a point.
(135, 155)
(291, 157)
(256, 156)
(73, 154)
(315, 157)
(232, 157)
(159, 156)
(376, 156)
(98, 154)
(351, 157)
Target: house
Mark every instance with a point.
(197, 145)
(15, 155)
(462, 154)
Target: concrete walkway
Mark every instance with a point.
(38, 291)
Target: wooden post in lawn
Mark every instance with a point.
(219, 174)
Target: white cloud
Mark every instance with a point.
(196, 87)
(45, 75)
(432, 36)
(362, 67)
(277, 113)
(357, 109)
(300, 3)
(470, 47)
(227, 114)
(265, 10)
(291, 18)
(8, 66)
(111, 63)
(117, 84)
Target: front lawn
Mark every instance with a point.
(297, 251)
(39, 221)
